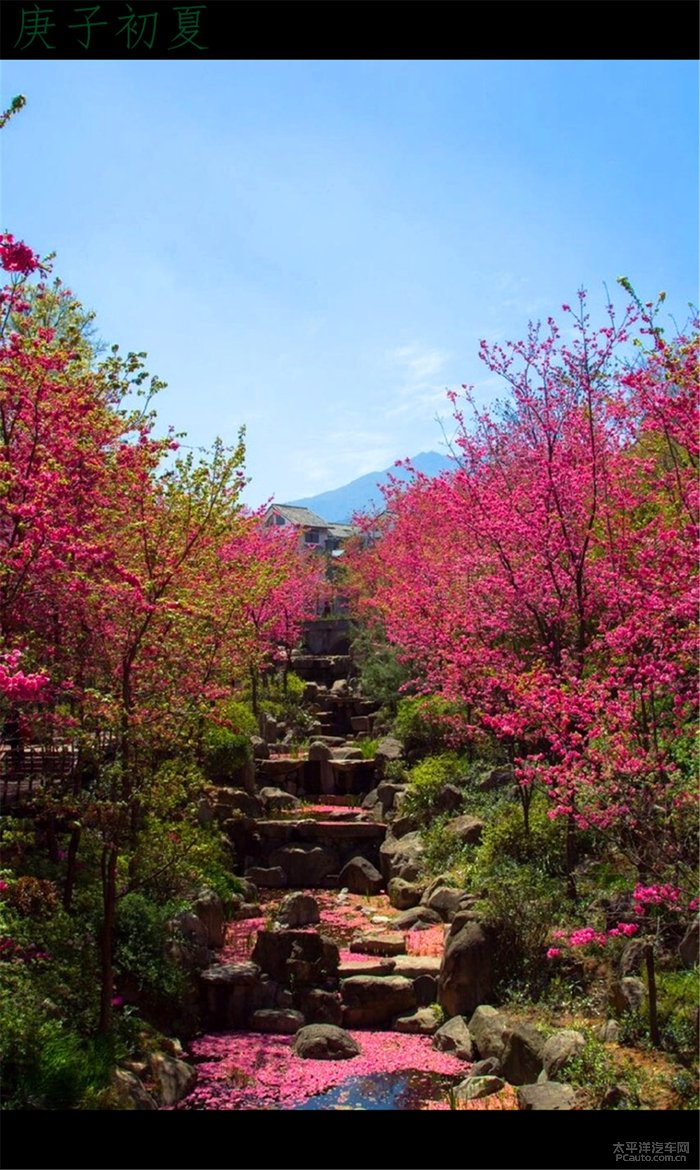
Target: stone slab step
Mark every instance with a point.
(389, 943)
(365, 967)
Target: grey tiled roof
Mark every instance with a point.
(303, 517)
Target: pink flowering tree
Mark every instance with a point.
(548, 583)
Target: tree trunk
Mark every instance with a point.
(109, 903)
(71, 867)
(651, 993)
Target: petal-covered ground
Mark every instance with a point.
(246, 1070)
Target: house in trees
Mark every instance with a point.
(314, 531)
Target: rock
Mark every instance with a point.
(486, 1028)
(425, 987)
(320, 751)
(270, 877)
(370, 1000)
(549, 1095)
(689, 946)
(423, 1022)
(489, 1067)
(389, 795)
(173, 1078)
(418, 918)
(260, 749)
(455, 1037)
(627, 995)
(437, 883)
(298, 910)
(466, 976)
(205, 812)
(296, 957)
(522, 1061)
(462, 917)
(321, 1007)
(325, 1042)
(466, 829)
(480, 1086)
(389, 749)
(249, 910)
(361, 877)
(304, 865)
(445, 901)
(496, 778)
(402, 858)
(632, 957)
(609, 1032)
(188, 942)
(277, 800)
(387, 944)
(226, 800)
(616, 1097)
(248, 890)
(559, 1049)
(340, 688)
(280, 1021)
(401, 826)
(130, 1092)
(347, 753)
(370, 801)
(230, 991)
(404, 895)
(209, 909)
(448, 799)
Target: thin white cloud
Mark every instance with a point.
(414, 370)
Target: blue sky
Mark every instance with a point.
(314, 249)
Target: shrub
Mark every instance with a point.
(140, 949)
(520, 905)
(444, 851)
(426, 781)
(505, 837)
(422, 724)
(225, 753)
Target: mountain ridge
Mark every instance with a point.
(338, 505)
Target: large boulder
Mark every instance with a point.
(522, 1054)
(627, 995)
(304, 865)
(321, 1007)
(129, 1092)
(298, 910)
(548, 1095)
(423, 1022)
(448, 799)
(172, 1079)
(280, 1021)
(388, 749)
(229, 800)
(455, 1037)
(320, 751)
(560, 1049)
(417, 918)
(231, 994)
(325, 1042)
(445, 901)
(209, 909)
(402, 858)
(371, 1000)
(277, 800)
(188, 942)
(296, 957)
(271, 877)
(475, 1087)
(404, 895)
(486, 1028)
(466, 829)
(466, 976)
(360, 877)
(389, 795)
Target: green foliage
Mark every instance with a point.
(677, 997)
(238, 717)
(505, 837)
(368, 747)
(395, 771)
(225, 753)
(381, 673)
(421, 724)
(444, 851)
(426, 781)
(521, 903)
(593, 1073)
(140, 951)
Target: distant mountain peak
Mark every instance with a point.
(339, 505)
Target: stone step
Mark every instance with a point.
(389, 943)
(378, 966)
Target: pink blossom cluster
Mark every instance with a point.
(16, 256)
(586, 936)
(17, 685)
(666, 895)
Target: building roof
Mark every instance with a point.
(302, 517)
(342, 531)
